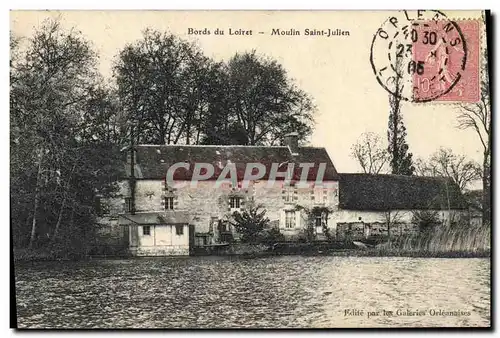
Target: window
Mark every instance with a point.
(235, 202)
(128, 204)
(289, 194)
(146, 230)
(320, 195)
(179, 229)
(289, 219)
(169, 203)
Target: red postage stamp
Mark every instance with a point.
(446, 57)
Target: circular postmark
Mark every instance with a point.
(418, 56)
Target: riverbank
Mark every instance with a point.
(341, 250)
(26, 255)
(371, 253)
(415, 254)
(260, 250)
(44, 255)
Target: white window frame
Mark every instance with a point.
(235, 202)
(320, 195)
(290, 219)
(144, 227)
(289, 195)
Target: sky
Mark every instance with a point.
(335, 70)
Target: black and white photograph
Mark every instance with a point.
(220, 169)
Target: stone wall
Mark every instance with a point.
(357, 224)
(166, 250)
(398, 216)
(207, 204)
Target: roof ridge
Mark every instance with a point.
(398, 175)
(219, 145)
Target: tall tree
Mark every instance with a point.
(478, 117)
(58, 161)
(164, 85)
(400, 159)
(264, 102)
(175, 94)
(370, 153)
(220, 126)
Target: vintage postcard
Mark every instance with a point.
(250, 169)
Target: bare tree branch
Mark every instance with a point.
(371, 153)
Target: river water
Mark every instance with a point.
(284, 292)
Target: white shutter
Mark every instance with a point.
(298, 223)
(282, 219)
(331, 225)
(318, 195)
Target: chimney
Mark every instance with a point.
(292, 142)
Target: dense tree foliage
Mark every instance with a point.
(175, 94)
(250, 223)
(262, 103)
(165, 86)
(63, 139)
(68, 124)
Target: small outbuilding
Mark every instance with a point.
(158, 233)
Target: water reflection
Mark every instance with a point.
(290, 291)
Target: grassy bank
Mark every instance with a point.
(29, 255)
(259, 250)
(320, 249)
(408, 253)
(46, 254)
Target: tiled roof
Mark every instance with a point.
(153, 161)
(392, 192)
(150, 218)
